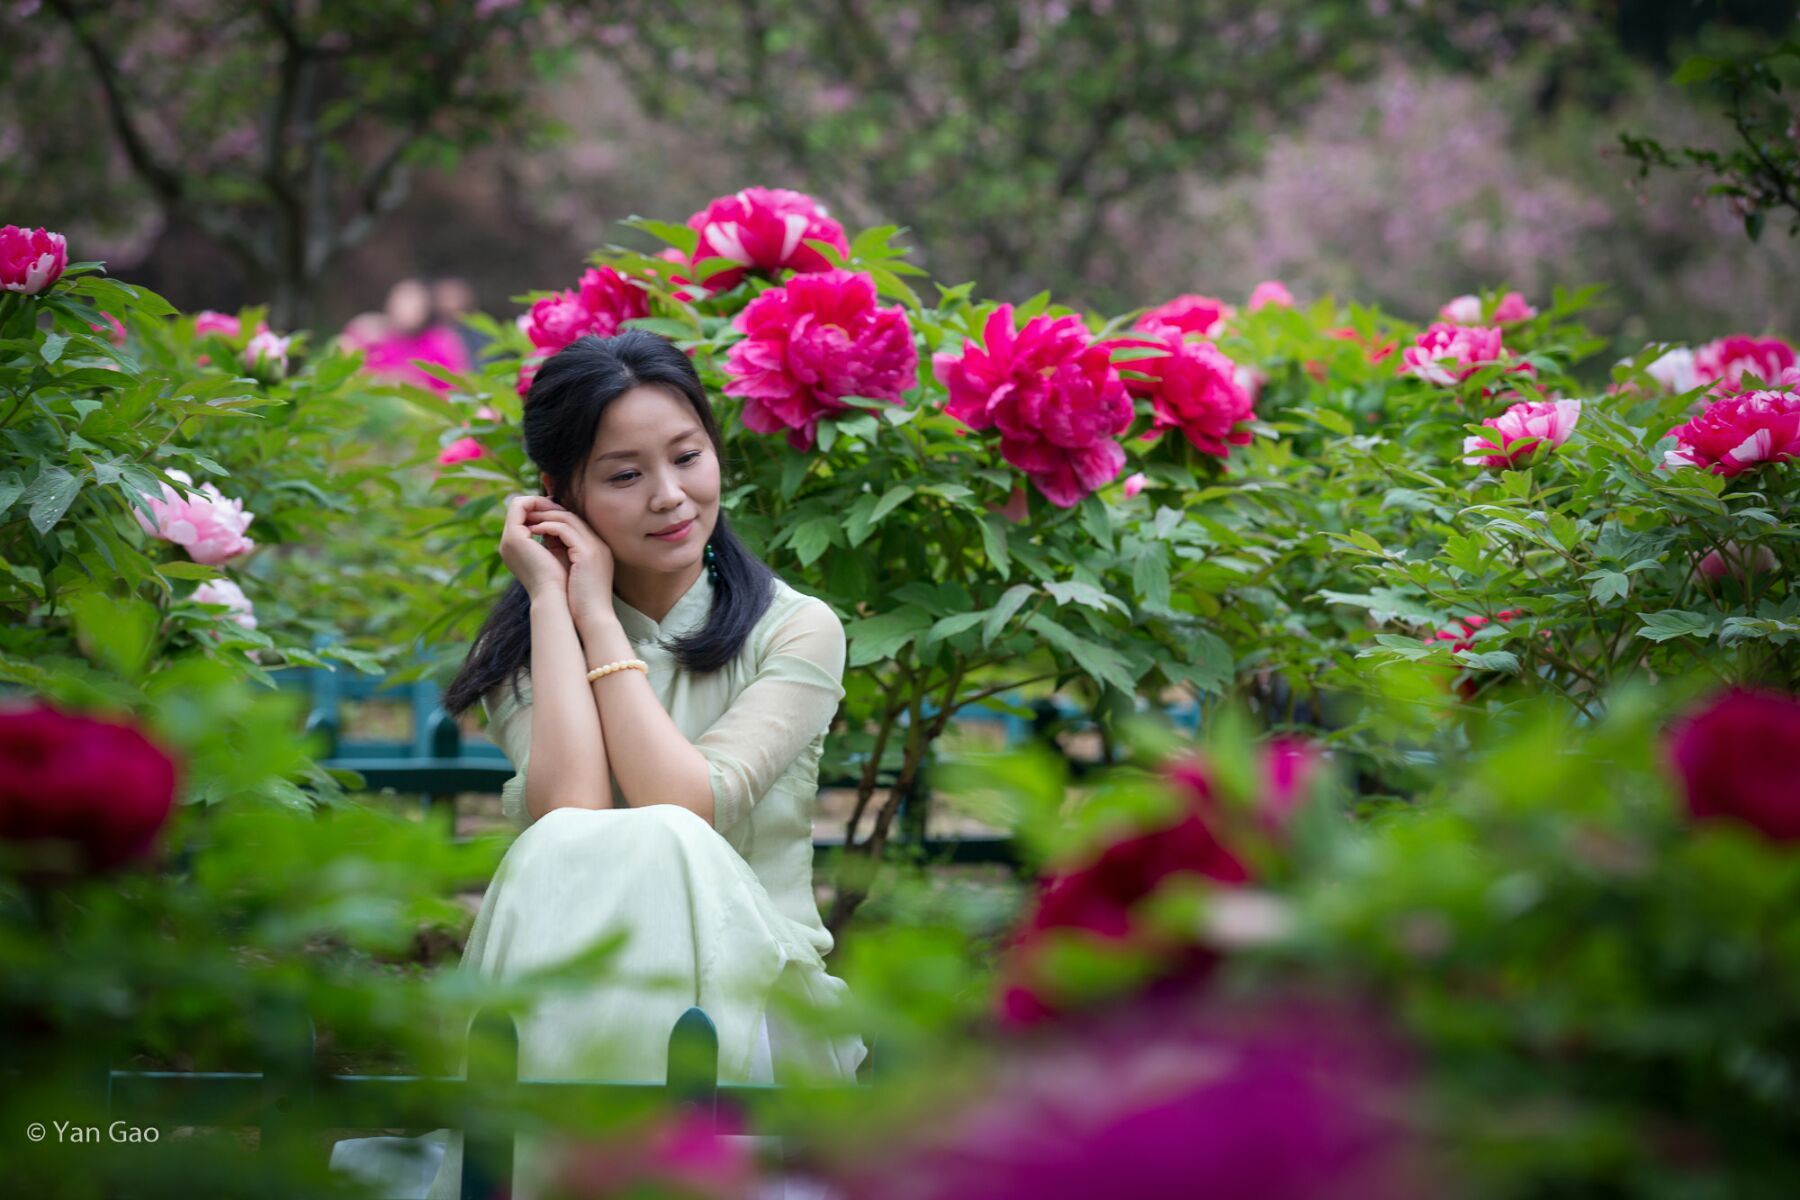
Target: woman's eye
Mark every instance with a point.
(627, 476)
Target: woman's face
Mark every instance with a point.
(652, 467)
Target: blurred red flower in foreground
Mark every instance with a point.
(103, 787)
(1099, 899)
(1737, 761)
(1178, 1099)
(691, 1155)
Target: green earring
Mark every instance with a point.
(712, 566)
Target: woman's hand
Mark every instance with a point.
(543, 569)
(589, 559)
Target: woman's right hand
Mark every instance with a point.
(543, 567)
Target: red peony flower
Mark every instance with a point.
(461, 450)
(1521, 432)
(1195, 389)
(600, 305)
(1054, 395)
(1278, 1097)
(1737, 433)
(30, 259)
(764, 229)
(1466, 310)
(1447, 354)
(1737, 762)
(1190, 313)
(1270, 292)
(112, 327)
(1099, 899)
(102, 786)
(813, 342)
(1725, 363)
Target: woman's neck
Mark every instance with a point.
(654, 593)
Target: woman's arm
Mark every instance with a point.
(663, 766)
(568, 767)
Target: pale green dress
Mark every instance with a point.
(720, 916)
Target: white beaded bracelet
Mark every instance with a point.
(623, 664)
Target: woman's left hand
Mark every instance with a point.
(590, 560)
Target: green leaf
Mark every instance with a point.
(1095, 520)
(812, 538)
(874, 639)
(993, 540)
(186, 570)
(1609, 586)
(1674, 623)
(118, 632)
(1150, 576)
(1009, 603)
(1074, 591)
(1697, 69)
(951, 625)
(1101, 662)
(49, 497)
(679, 236)
(52, 348)
(890, 500)
(1492, 660)
(1385, 600)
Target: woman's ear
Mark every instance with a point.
(544, 482)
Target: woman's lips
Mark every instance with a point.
(676, 534)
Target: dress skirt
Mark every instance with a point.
(700, 929)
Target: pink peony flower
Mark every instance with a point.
(209, 323)
(812, 342)
(112, 327)
(764, 229)
(1270, 291)
(1461, 634)
(266, 356)
(461, 450)
(1190, 314)
(1736, 562)
(100, 785)
(30, 259)
(1054, 395)
(1134, 484)
(1447, 354)
(1725, 363)
(1737, 433)
(600, 305)
(1736, 761)
(1467, 310)
(686, 290)
(210, 527)
(697, 1156)
(1176, 1096)
(1524, 429)
(1193, 388)
(527, 372)
(224, 591)
(1675, 370)
(1099, 899)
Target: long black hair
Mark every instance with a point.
(562, 413)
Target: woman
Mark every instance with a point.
(665, 699)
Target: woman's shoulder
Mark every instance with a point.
(789, 603)
(793, 613)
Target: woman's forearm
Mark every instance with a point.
(567, 767)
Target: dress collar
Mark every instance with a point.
(688, 614)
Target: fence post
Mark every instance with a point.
(288, 1044)
(487, 1165)
(693, 1080)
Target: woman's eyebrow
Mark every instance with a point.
(688, 433)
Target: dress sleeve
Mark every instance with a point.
(509, 725)
(789, 702)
